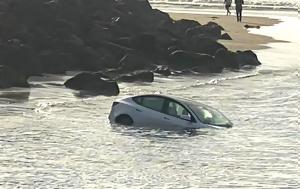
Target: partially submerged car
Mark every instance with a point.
(161, 111)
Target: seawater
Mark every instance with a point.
(51, 137)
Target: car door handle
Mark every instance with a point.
(166, 118)
(138, 110)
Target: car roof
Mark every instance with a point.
(179, 99)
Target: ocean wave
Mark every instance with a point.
(216, 81)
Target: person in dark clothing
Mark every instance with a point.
(227, 6)
(239, 8)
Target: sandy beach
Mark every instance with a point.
(242, 39)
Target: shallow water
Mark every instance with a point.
(50, 138)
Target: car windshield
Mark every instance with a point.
(209, 115)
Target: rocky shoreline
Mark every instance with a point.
(110, 40)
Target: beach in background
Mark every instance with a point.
(279, 5)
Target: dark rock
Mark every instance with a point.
(182, 60)
(108, 58)
(227, 59)
(117, 50)
(180, 26)
(209, 31)
(226, 36)
(88, 59)
(163, 70)
(251, 26)
(171, 49)
(9, 77)
(247, 58)
(236, 60)
(39, 36)
(19, 56)
(56, 62)
(165, 39)
(145, 42)
(213, 24)
(141, 76)
(207, 64)
(132, 62)
(98, 34)
(93, 82)
(158, 19)
(204, 45)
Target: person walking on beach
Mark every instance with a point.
(227, 6)
(239, 8)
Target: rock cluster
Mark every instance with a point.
(119, 36)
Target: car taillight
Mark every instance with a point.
(115, 103)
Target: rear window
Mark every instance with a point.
(154, 103)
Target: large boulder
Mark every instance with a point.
(137, 76)
(247, 57)
(93, 82)
(227, 59)
(180, 26)
(200, 44)
(212, 31)
(183, 60)
(236, 60)
(9, 77)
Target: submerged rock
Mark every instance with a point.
(93, 82)
(163, 70)
(141, 76)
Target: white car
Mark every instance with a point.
(161, 111)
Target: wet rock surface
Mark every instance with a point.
(93, 82)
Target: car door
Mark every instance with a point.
(178, 116)
(149, 111)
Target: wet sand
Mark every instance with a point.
(242, 39)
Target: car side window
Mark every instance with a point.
(177, 110)
(152, 102)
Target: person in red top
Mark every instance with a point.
(239, 8)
